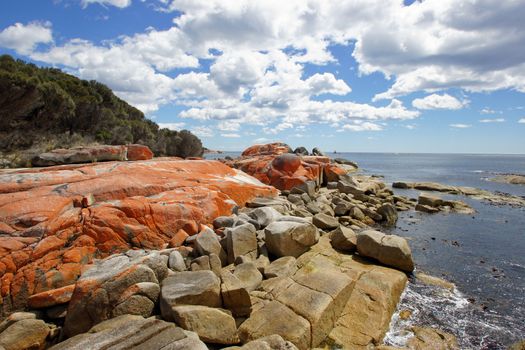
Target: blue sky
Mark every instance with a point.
(355, 75)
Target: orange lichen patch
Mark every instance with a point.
(51, 297)
(275, 148)
(139, 152)
(144, 204)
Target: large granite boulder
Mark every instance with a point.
(25, 334)
(118, 285)
(189, 288)
(56, 220)
(82, 154)
(390, 250)
(133, 332)
(241, 241)
(288, 238)
(138, 152)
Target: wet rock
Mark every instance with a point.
(193, 288)
(325, 222)
(390, 250)
(343, 239)
(282, 267)
(431, 339)
(25, 334)
(285, 238)
(426, 209)
(431, 201)
(434, 281)
(113, 287)
(133, 332)
(388, 214)
(211, 324)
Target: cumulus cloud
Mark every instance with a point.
(24, 38)
(257, 52)
(202, 131)
(436, 101)
(521, 121)
(460, 126)
(231, 135)
(362, 126)
(116, 3)
(492, 120)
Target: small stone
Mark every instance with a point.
(176, 261)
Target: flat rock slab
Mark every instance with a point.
(132, 332)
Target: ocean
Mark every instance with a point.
(483, 254)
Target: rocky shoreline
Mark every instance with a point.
(195, 254)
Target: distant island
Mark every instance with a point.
(44, 108)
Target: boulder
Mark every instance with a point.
(176, 261)
(270, 342)
(390, 250)
(388, 214)
(431, 201)
(302, 151)
(426, 209)
(51, 297)
(234, 296)
(189, 287)
(317, 152)
(264, 216)
(207, 242)
(325, 222)
(150, 204)
(15, 317)
(287, 238)
(82, 154)
(241, 241)
(25, 334)
(343, 239)
(212, 325)
(133, 332)
(138, 152)
(248, 275)
(120, 284)
(282, 267)
(271, 148)
(431, 339)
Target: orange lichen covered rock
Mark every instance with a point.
(139, 152)
(275, 165)
(48, 235)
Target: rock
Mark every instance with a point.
(282, 267)
(248, 275)
(264, 216)
(25, 334)
(435, 281)
(317, 152)
(207, 242)
(15, 317)
(138, 205)
(295, 199)
(234, 296)
(388, 214)
(334, 173)
(202, 263)
(285, 238)
(133, 332)
(390, 250)
(342, 208)
(212, 325)
(346, 162)
(115, 286)
(308, 188)
(193, 288)
(223, 221)
(302, 151)
(431, 201)
(138, 152)
(426, 209)
(82, 154)
(518, 345)
(431, 339)
(325, 222)
(513, 179)
(51, 297)
(288, 325)
(356, 213)
(271, 342)
(343, 239)
(176, 261)
(271, 148)
(241, 241)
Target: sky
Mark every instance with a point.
(437, 76)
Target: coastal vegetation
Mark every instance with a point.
(44, 108)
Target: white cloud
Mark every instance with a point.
(521, 121)
(172, 126)
(202, 131)
(460, 126)
(410, 126)
(364, 126)
(116, 3)
(230, 135)
(493, 120)
(24, 38)
(487, 110)
(436, 101)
